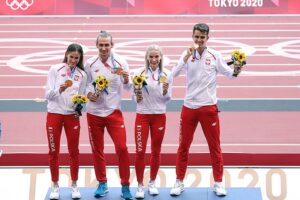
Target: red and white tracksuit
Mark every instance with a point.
(105, 112)
(61, 114)
(150, 118)
(200, 106)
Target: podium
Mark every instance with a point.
(164, 194)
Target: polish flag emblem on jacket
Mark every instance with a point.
(207, 61)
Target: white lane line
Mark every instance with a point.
(256, 74)
(22, 87)
(221, 99)
(139, 65)
(235, 16)
(148, 31)
(261, 47)
(136, 58)
(22, 75)
(174, 62)
(165, 145)
(273, 64)
(167, 55)
(249, 86)
(35, 47)
(158, 38)
(175, 86)
(255, 86)
(147, 24)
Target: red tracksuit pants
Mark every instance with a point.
(209, 120)
(114, 124)
(156, 123)
(54, 125)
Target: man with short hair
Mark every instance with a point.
(104, 111)
(202, 64)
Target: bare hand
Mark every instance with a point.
(188, 54)
(62, 88)
(92, 97)
(165, 88)
(237, 70)
(125, 76)
(139, 95)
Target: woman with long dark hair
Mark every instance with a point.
(64, 81)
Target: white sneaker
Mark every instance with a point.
(177, 189)
(140, 194)
(75, 192)
(219, 189)
(152, 189)
(54, 194)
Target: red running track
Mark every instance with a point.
(272, 44)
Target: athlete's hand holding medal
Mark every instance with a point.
(118, 71)
(189, 52)
(68, 83)
(121, 72)
(164, 81)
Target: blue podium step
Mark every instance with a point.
(188, 194)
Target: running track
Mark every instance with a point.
(260, 108)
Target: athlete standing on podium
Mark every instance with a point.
(202, 64)
(64, 81)
(104, 111)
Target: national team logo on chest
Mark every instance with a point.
(76, 78)
(207, 61)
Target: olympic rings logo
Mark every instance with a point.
(19, 4)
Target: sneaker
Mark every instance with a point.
(219, 189)
(75, 192)
(101, 190)
(152, 189)
(54, 194)
(140, 194)
(177, 189)
(126, 195)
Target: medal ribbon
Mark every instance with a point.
(70, 72)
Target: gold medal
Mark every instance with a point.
(195, 46)
(163, 79)
(68, 83)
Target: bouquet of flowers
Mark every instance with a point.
(140, 82)
(78, 100)
(238, 58)
(101, 85)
